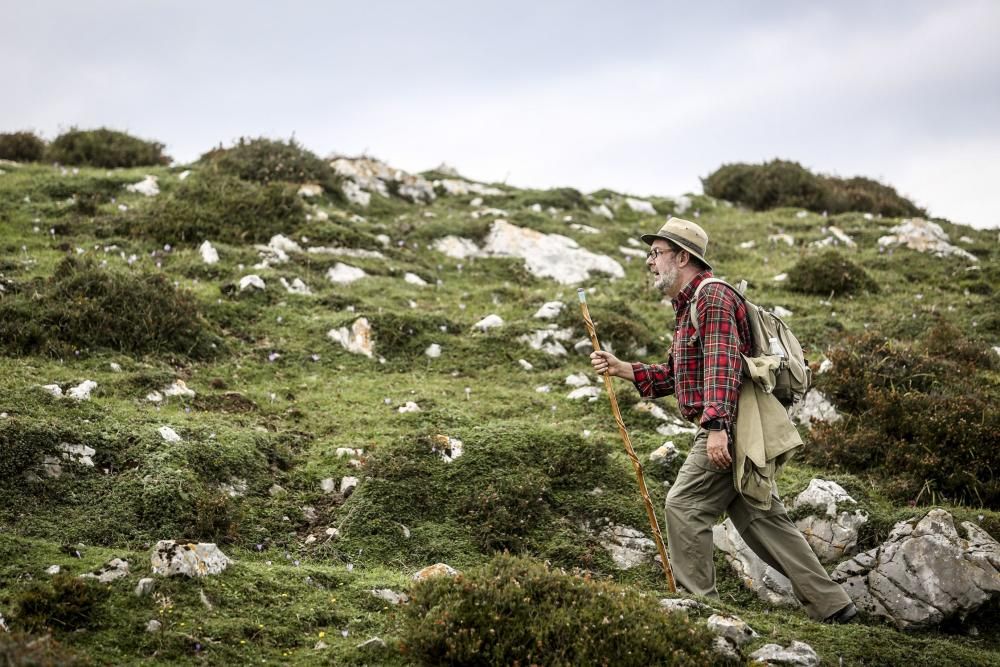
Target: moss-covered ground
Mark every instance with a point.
(275, 399)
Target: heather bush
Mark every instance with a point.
(19, 649)
(913, 418)
(220, 208)
(65, 603)
(105, 148)
(84, 306)
(829, 273)
(21, 147)
(516, 611)
(784, 183)
(266, 161)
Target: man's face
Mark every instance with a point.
(663, 267)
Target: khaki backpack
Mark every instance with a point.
(771, 338)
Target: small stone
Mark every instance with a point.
(347, 485)
(436, 570)
(252, 281)
(488, 322)
(191, 559)
(665, 454)
(276, 490)
(433, 351)
(390, 596)
(145, 586)
(53, 389)
(54, 569)
(82, 391)
(410, 406)
(168, 434)
(373, 643)
(732, 628)
(114, 569)
(798, 653)
(153, 626)
(328, 485)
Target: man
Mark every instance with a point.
(705, 374)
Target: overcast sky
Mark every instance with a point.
(640, 97)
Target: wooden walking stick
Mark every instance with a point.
(628, 448)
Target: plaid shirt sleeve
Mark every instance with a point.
(717, 322)
(654, 380)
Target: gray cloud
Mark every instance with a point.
(646, 98)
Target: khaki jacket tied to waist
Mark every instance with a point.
(765, 438)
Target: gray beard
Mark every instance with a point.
(664, 281)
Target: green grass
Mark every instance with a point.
(274, 406)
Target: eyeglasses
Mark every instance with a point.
(656, 252)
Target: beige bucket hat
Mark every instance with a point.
(685, 234)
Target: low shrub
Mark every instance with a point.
(502, 487)
(64, 603)
(914, 417)
(105, 148)
(829, 273)
(85, 306)
(266, 161)
(784, 183)
(23, 447)
(220, 208)
(516, 611)
(20, 649)
(21, 146)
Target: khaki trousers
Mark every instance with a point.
(698, 498)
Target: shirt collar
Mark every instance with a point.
(684, 296)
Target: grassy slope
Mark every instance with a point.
(284, 595)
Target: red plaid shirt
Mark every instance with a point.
(704, 374)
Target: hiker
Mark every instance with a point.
(705, 373)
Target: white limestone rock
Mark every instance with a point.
(252, 281)
(111, 571)
(209, 255)
(390, 596)
(549, 255)
(147, 187)
(414, 279)
(797, 653)
(665, 454)
(458, 187)
(348, 484)
(834, 533)
(357, 339)
(491, 321)
(683, 605)
(814, 406)
(82, 391)
(577, 380)
(457, 247)
(433, 351)
(640, 206)
(409, 406)
(732, 628)
(309, 190)
(781, 238)
(681, 204)
(171, 558)
(53, 389)
(769, 584)
(367, 176)
(549, 310)
(548, 340)
(627, 546)
(525, 364)
(603, 211)
(590, 393)
(168, 434)
(153, 626)
(296, 287)
(355, 253)
(344, 274)
(448, 448)
(178, 388)
(925, 572)
(923, 236)
(436, 570)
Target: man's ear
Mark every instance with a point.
(684, 259)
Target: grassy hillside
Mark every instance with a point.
(102, 284)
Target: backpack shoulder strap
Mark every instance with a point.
(693, 310)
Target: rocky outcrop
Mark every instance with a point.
(797, 653)
(925, 573)
(833, 533)
(549, 255)
(189, 559)
(769, 584)
(364, 177)
(627, 546)
(923, 236)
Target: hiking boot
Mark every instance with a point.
(845, 615)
